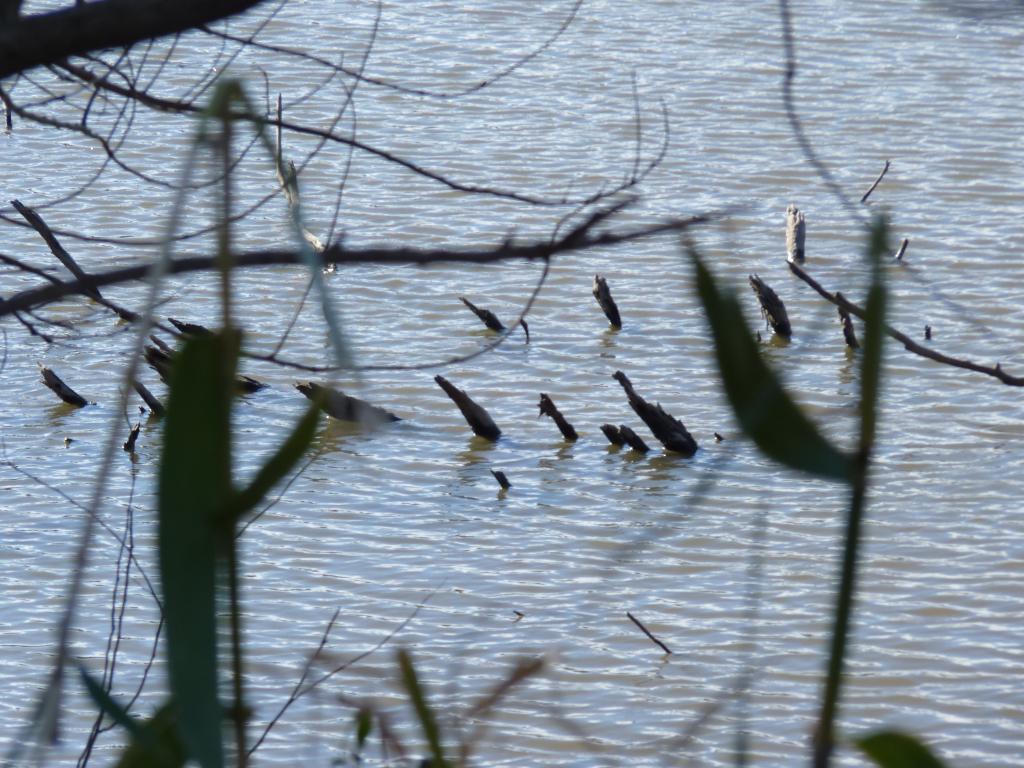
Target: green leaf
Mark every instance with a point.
(107, 704)
(763, 408)
(874, 332)
(423, 711)
(364, 724)
(280, 463)
(892, 749)
(193, 528)
(156, 743)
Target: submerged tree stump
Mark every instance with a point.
(487, 317)
(479, 420)
(613, 434)
(632, 439)
(669, 431)
(548, 408)
(337, 404)
(604, 298)
(796, 233)
(59, 388)
(154, 405)
(848, 333)
(772, 308)
(502, 479)
(189, 329)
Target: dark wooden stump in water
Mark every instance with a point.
(129, 444)
(479, 420)
(189, 329)
(502, 480)
(59, 388)
(632, 439)
(796, 233)
(154, 405)
(548, 408)
(336, 403)
(161, 359)
(487, 317)
(848, 333)
(613, 434)
(666, 428)
(772, 308)
(604, 297)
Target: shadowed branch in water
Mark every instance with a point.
(844, 304)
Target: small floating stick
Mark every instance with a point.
(772, 308)
(59, 388)
(336, 403)
(548, 408)
(479, 420)
(796, 233)
(487, 317)
(898, 256)
(666, 428)
(604, 298)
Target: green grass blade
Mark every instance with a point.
(280, 463)
(765, 411)
(193, 496)
(106, 703)
(423, 711)
(892, 749)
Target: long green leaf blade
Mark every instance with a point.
(194, 492)
(892, 749)
(281, 462)
(764, 410)
(106, 703)
(423, 711)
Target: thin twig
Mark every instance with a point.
(647, 632)
(878, 181)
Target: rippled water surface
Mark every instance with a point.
(729, 559)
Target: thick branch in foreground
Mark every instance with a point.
(996, 371)
(46, 38)
(580, 238)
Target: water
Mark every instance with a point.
(380, 523)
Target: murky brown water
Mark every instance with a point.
(379, 522)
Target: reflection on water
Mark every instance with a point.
(588, 530)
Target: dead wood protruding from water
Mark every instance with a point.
(154, 405)
(502, 479)
(160, 358)
(772, 308)
(189, 329)
(487, 317)
(848, 333)
(604, 297)
(548, 408)
(613, 434)
(289, 181)
(336, 403)
(996, 371)
(898, 256)
(59, 388)
(796, 234)
(632, 439)
(129, 444)
(65, 258)
(647, 632)
(479, 420)
(878, 181)
(666, 428)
